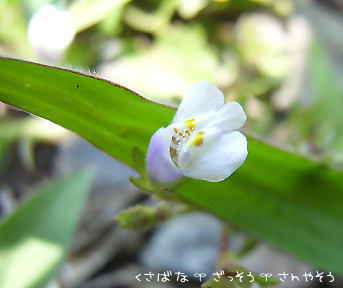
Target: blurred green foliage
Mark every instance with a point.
(34, 239)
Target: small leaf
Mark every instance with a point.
(141, 216)
(33, 240)
(139, 161)
(137, 217)
(143, 184)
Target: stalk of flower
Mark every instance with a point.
(202, 141)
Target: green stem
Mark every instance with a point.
(223, 248)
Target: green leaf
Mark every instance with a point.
(139, 161)
(34, 239)
(109, 116)
(276, 196)
(282, 198)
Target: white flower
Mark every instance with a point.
(200, 142)
(50, 31)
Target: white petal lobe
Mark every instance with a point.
(230, 117)
(201, 98)
(216, 159)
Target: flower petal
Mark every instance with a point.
(230, 117)
(217, 156)
(202, 97)
(159, 164)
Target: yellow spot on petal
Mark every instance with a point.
(196, 140)
(190, 124)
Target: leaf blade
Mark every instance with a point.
(71, 99)
(295, 218)
(275, 196)
(33, 240)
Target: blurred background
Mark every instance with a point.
(282, 60)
